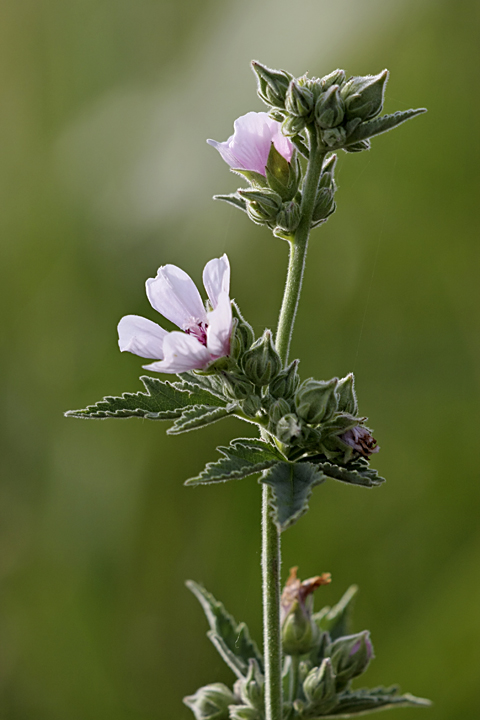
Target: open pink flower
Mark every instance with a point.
(206, 333)
(249, 146)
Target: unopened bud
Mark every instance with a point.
(262, 363)
(319, 687)
(288, 428)
(298, 100)
(334, 137)
(330, 108)
(292, 125)
(250, 688)
(251, 405)
(289, 217)
(351, 656)
(236, 387)
(364, 95)
(358, 146)
(211, 702)
(316, 400)
(286, 382)
(278, 409)
(347, 399)
(242, 336)
(262, 205)
(300, 632)
(272, 84)
(245, 712)
(337, 77)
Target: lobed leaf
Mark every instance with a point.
(198, 416)
(381, 124)
(243, 457)
(162, 401)
(232, 640)
(361, 702)
(292, 485)
(354, 473)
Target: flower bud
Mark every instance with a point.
(364, 95)
(319, 688)
(262, 205)
(242, 336)
(351, 656)
(250, 688)
(288, 428)
(292, 125)
(324, 206)
(330, 108)
(286, 382)
(300, 632)
(334, 137)
(262, 363)
(236, 386)
(251, 405)
(298, 100)
(316, 400)
(289, 217)
(337, 77)
(360, 439)
(211, 702)
(278, 409)
(347, 399)
(244, 712)
(272, 84)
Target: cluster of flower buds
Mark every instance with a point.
(340, 108)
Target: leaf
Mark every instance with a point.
(361, 702)
(233, 199)
(292, 485)
(162, 401)
(201, 388)
(243, 457)
(355, 473)
(230, 638)
(336, 620)
(198, 416)
(381, 124)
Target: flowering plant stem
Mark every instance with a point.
(271, 558)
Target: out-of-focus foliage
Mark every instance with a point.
(105, 175)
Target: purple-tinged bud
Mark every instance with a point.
(361, 441)
(300, 632)
(211, 702)
(351, 656)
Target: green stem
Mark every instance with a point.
(271, 559)
(294, 668)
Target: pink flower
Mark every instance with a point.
(206, 333)
(249, 146)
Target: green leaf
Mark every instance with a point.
(232, 640)
(243, 457)
(198, 416)
(162, 401)
(355, 473)
(381, 124)
(336, 620)
(292, 485)
(202, 387)
(362, 702)
(233, 199)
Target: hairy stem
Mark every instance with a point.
(271, 559)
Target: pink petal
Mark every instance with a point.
(175, 296)
(220, 327)
(182, 352)
(141, 336)
(216, 278)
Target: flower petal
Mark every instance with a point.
(216, 278)
(219, 327)
(141, 336)
(181, 353)
(174, 294)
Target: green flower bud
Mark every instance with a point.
(236, 386)
(262, 363)
(334, 137)
(351, 656)
(300, 632)
(289, 217)
(250, 688)
(364, 95)
(272, 84)
(288, 428)
(337, 77)
(286, 382)
(316, 400)
(251, 405)
(347, 399)
(324, 206)
(358, 146)
(244, 712)
(329, 108)
(299, 100)
(292, 125)
(278, 409)
(319, 688)
(262, 205)
(242, 336)
(211, 702)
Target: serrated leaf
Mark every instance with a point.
(233, 636)
(362, 702)
(243, 457)
(201, 388)
(382, 124)
(336, 620)
(198, 416)
(162, 401)
(292, 485)
(355, 473)
(233, 199)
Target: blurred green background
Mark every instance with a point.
(105, 175)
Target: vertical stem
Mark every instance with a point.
(271, 559)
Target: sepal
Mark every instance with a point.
(316, 400)
(262, 363)
(380, 125)
(233, 199)
(210, 702)
(272, 84)
(364, 96)
(299, 100)
(320, 689)
(329, 108)
(286, 382)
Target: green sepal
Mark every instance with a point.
(233, 199)
(292, 485)
(277, 166)
(254, 178)
(364, 701)
(381, 124)
(234, 636)
(301, 147)
(354, 473)
(198, 416)
(243, 457)
(162, 401)
(337, 620)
